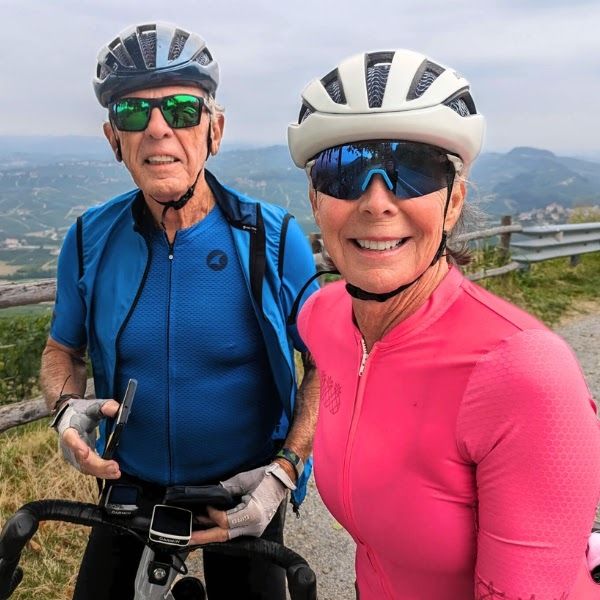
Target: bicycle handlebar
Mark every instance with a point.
(21, 527)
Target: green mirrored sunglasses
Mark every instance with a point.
(179, 111)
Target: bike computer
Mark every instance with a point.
(122, 500)
(121, 420)
(171, 525)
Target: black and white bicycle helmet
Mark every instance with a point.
(153, 55)
(397, 94)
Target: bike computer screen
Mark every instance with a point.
(171, 525)
(122, 500)
(120, 420)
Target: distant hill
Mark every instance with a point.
(46, 182)
(528, 178)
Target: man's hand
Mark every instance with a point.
(76, 424)
(262, 491)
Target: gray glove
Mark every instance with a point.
(262, 492)
(83, 415)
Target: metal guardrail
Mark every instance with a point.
(555, 241)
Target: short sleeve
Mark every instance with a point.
(298, 266)
(68, 318)
(528, 423)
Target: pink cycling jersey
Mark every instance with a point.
(462, 454)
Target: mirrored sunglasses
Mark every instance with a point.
(409, 169)
(179, 111)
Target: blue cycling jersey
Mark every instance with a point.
(103, 269)
(195, 347)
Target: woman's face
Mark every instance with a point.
(379, 242)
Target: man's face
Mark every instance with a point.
(164, 162)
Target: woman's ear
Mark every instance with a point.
(455, 206)
(314, 203)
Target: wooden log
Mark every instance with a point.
(484, 233)
(31, 292)
(27, 411)
(513, 266)
(18, 413)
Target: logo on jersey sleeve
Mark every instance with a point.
(330, 393)
(217, 260)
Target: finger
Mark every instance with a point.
(241, 506)
(218, 516)
(73, 441)
(89, 462)
(92, 464)
(208, 536)
(110, 408)
(204, 520)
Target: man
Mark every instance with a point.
(186, 286)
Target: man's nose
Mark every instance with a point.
(157, 126)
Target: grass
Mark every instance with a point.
(551, 289)
(31, 469)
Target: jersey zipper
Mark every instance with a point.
(365, 355)
(360, 392)
(353, 426)
(171, 246)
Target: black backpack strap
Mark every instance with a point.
(281, 253)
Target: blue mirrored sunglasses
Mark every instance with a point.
(409, 169)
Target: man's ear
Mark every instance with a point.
(217, 125)
(113, 140)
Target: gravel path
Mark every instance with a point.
(330, 550)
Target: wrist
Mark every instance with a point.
(291, 462)
(63, 399)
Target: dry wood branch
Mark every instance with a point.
(513, 266)
(32, 292)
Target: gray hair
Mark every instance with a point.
(471, 218)
(213, 107)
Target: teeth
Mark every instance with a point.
(159, 160)
(376, 245)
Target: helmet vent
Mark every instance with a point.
(204, 58)
(378, 69)
(331, 82)
(427, 73)
(148, 46)
(305, 111)
(119, 52)
(177, 44)
(102, 72)
(462, 104)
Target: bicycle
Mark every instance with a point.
(159, 565)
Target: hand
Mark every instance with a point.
(262, 492)
(76, 423)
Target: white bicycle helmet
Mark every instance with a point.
(153, 55)
(397, 94)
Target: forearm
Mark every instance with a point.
(63, 371)
(301, 433)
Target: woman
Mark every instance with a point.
(457, 440)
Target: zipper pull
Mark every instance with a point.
(365, 355)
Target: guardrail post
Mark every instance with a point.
(504, 246)
(575, 260)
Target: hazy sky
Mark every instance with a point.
(534, 65)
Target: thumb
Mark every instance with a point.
(110, 408)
